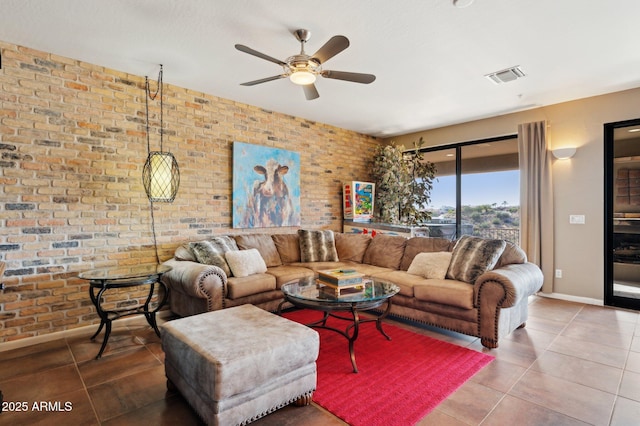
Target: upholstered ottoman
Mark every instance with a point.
(238, 364)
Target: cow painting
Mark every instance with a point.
(266, 187)
(271, 201)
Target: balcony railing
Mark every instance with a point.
(509, 234)
(449, 231)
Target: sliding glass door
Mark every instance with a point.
(490, 195)
(443, 205)
(622, 214)
(476, 190)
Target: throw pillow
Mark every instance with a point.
(431, 264)
(317, 246)
(245, 262)
(417, 245)
(511, 254)
(473, 256)
(184, 252)
(211, 251)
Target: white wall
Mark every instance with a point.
(578, 183)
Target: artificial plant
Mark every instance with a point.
(403, 184)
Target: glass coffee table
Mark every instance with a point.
(310, 294)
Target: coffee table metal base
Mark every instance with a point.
(352, 330)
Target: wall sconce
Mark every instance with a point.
(563, 153)
(160, 175)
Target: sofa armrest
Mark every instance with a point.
(197, 280)
(515, 281)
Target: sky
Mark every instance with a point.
(478, 188)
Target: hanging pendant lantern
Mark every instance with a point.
(160, 175)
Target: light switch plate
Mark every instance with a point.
(576, 219)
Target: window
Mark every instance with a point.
(476, 190)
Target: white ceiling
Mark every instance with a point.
(429, 57)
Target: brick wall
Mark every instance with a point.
(72, 148)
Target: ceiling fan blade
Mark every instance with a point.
(263, 80)
(335, 45)
(250, 51)
(349, 76)
(310, 91)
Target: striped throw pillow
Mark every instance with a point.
(317, 246)
(473, 256)
(211, 251)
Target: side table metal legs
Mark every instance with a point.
(107, 317)
(151, 315)
(107, 332)
(104, 316)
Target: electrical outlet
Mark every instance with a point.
(558, 273)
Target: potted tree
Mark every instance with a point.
(403, 184)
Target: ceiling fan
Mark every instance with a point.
(303, 69)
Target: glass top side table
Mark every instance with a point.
(103, 279)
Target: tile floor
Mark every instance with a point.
(573, 364)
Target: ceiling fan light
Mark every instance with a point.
(302, 77)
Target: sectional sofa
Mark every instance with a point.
(472, 286)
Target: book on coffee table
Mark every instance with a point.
(342, 290)
(340, 277)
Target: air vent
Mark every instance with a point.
(506, 75)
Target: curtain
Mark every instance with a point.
(536, 198)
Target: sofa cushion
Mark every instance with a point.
(512, 254)
(402, 279)
(372, 270)
(245, 262)
(211, 251)
(264, 244)
(288, 246)
(385, 251)
(317, 246)
(238, 287)
(473, 256)
(287, 273)
(431, 265)
(417, 245)
(447, 292)
(352, 246)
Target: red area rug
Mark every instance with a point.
(398, 381)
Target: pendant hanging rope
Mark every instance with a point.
(160, 174)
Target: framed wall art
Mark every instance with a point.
(266, 186)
